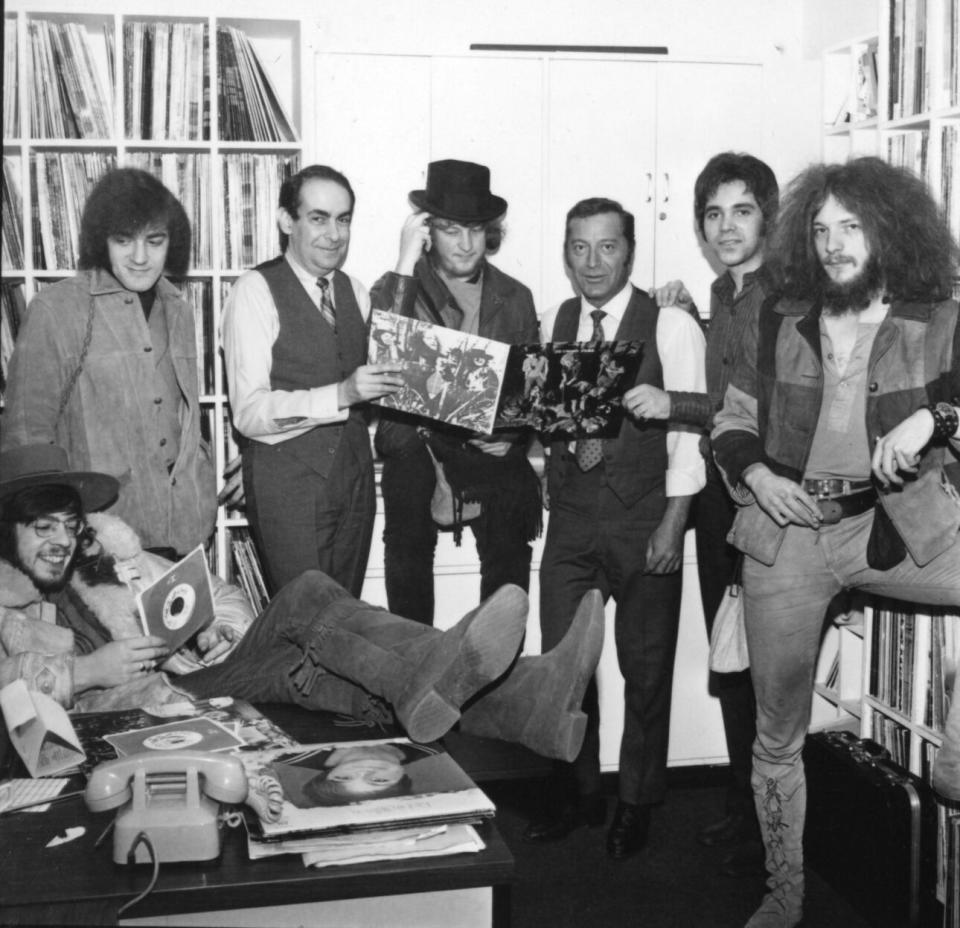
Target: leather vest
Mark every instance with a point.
(635, 462)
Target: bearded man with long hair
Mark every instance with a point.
(838, 439)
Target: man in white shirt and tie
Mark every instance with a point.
(295, 343)
(618, 511)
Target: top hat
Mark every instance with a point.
(46, 465)
(459, 190)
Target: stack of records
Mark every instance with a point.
(354, 801)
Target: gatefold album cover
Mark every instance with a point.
(358, 785)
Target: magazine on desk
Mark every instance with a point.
(561, 389)
(353, 786)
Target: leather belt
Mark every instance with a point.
(834, 487)
(843, 507)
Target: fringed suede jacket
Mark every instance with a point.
(38, 644)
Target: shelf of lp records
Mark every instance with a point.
(911, 660)
(211, 106)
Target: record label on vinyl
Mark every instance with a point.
(178, 606)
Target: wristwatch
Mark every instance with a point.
(946, 421)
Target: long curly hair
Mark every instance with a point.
(904, 229)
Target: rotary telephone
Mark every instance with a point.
(172, 797)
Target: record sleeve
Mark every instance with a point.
(180, 602)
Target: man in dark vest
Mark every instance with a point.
(294, 338)
(618, 510)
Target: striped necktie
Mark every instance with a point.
(589, 451)
(326, 303)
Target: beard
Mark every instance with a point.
(853, 295)
(45, 584)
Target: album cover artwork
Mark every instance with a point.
(568, 389)
(180, 602)
(450, 376)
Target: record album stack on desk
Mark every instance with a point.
(354, 801)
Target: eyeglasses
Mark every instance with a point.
(46, 526)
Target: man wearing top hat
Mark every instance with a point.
(443, 277)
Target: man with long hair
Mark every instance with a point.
(838, 439)
(106, 364)
(735, 203)
(69, 628)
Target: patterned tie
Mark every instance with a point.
(326, 303)
(589, 451)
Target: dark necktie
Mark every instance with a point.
(589, 451)
(326, 303)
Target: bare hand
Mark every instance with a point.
(215, 642)
(784, 500)
(119, 662)
(647, 402)
(664, 549)
(898, 452)
(231, 495)
(673, 293)
(369, 382)
(414, 240)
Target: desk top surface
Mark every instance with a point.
(81, 882)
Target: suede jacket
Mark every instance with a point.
(772, 405)
(37, 645)
(506, 315)
(105, 423)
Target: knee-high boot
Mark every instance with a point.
(426, 675)
(537, 704)
(781, 809)
(946, 768)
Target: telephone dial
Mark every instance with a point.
(171, 796)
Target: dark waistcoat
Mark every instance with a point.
(636, 460)
(308, 354)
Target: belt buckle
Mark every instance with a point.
(822, 489)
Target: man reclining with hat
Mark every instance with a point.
(69, 628)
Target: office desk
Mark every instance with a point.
(76, 883)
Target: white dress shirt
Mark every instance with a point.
(249, 328)
(681, 346)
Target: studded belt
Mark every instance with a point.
(841, 499)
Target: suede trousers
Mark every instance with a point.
(410, 539)
(784, 613)
(595, 542)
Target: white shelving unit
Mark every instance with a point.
(279, 47)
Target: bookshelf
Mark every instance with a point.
(213, 106)
(886, 671)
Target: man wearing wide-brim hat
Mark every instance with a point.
(443, 276)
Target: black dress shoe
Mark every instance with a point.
(731, 829)
(628, 831)
(591, 811)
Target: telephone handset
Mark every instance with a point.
(165, 795)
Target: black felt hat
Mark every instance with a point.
(46, 465)
(459, 190)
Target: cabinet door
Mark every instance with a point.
(489, 110)
(373, 123)
(601, 142)
(702, 109)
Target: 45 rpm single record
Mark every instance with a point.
(172, 740)
(178, 606)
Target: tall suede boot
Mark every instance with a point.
(781, 809)
(425, 674)
(537, 704)
(946, 768)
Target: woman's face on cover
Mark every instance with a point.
(366, 773)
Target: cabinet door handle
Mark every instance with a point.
(666, 187)
(649, 186)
